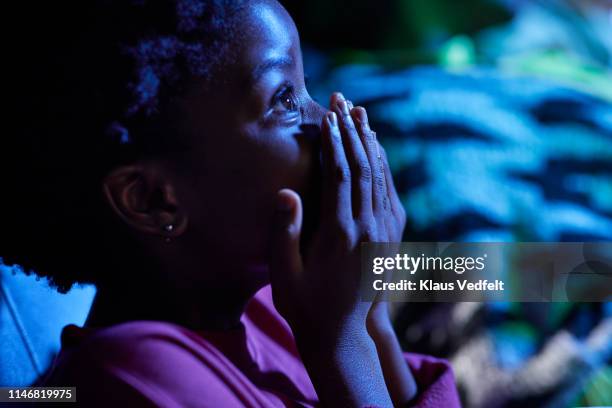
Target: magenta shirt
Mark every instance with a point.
(157, 364)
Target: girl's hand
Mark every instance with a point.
(320, 295)
(359, 204)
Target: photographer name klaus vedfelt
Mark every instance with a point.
(431, 285)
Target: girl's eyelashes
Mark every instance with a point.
(284, 101)
(284, 107)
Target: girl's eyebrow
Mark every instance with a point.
(268, 65)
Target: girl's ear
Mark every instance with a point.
(145, 199)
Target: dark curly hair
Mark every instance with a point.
(93, 84)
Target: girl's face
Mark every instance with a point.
(254, 131)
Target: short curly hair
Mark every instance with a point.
(93, 82)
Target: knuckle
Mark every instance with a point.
(371, 141)
(364, 171)
(379, 181)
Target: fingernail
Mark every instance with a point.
(331, 119)
(350, 104)
(362, 116)
(343, 107)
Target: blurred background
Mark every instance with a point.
(497, 118)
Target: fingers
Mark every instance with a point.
(396, 205)
(380, 202)
(359, 184)
(361, 172)
(337, 183)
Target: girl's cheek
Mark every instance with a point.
(290, 152)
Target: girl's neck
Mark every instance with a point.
(211, 310)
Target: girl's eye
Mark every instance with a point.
(285, 101)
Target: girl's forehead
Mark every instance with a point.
(265, 26)
(267, 38)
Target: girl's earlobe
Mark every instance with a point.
(145, 200)
(168, 228)
(174, 227)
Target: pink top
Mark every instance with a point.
(156, 364)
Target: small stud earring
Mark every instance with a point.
(168, 228)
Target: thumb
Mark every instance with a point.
(285, 258)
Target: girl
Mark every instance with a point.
(169, 152)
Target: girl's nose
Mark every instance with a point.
(313, 114)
